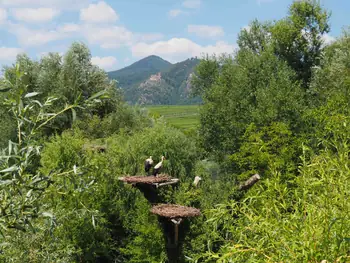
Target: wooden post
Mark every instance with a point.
(176, 225)
(176, 239)
(250, 182)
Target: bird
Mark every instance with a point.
(148, 164)
(196, 181)
(158, 166)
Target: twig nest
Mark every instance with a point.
(162, 178)
(175, 211)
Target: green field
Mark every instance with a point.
(180, 116)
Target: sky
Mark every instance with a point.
(120, 32)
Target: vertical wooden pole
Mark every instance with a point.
(176, 234)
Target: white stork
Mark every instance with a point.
(148, 164)
(158, 166)
(196, 181)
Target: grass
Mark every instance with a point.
(184, 117)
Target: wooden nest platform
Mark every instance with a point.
(161, 178)
(175, 211)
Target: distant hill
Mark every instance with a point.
(153, 81)
(139, 71)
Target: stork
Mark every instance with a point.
(148, 164)
(196, 181)
(158, 166)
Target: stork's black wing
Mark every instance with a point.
(147, 166)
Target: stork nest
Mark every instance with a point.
(161, 178)
(175, 211)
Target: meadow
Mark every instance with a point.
(184, 117)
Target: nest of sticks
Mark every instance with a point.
(175, 211)
(161, 178)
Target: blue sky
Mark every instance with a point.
(120, 32)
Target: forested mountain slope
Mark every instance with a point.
(153, 80)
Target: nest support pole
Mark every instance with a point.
(148, 185)
(175, 226)
(174, 232)
(149, 192)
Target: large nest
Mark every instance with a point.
(161, 178)
(175, 211)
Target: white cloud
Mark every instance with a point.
(191, 3)
(8, 54)
(3, 15)
(98, 13)
(175, 12)
(104, 62)
(108, 37)
(116, 36)
(60, 4)
(28, 37)
(69, 28)
(177, 49)
(33, 15)
(328, 39)
(206, 31)
(37, 37)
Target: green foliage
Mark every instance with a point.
(130, 153)
(297, 39)
(331, 80)
(21, 185)
(125, 118)
(256, 37)
(70, 79)
(251, 88)
(303, 219)
(267, 150)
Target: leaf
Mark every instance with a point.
(74, 115)
(29, 193)
(96, 95)
(4, 244)
(10, 147)
(75, 169)
(10, 169)
(30, 226)
(93, 221)
(31, 94)
(5, 90)
(5, 182)
(38, 102)
(19, 227)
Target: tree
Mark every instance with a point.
(297, 39)
(67, 78)
(256, 37)
(251, 88)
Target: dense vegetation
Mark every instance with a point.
(278, 107)
(172, 88)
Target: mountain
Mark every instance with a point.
(139, 71)
(153, 80)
